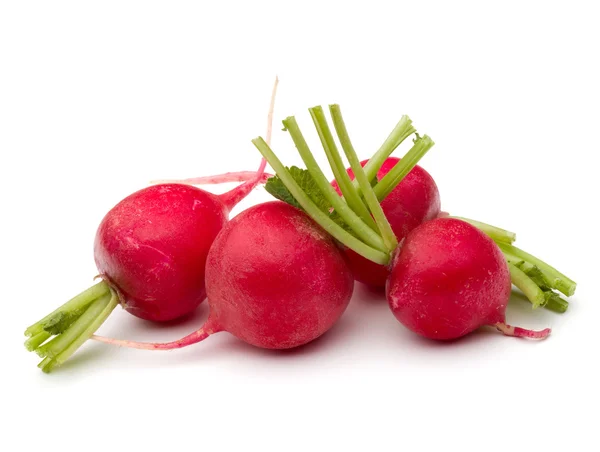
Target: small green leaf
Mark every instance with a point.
(61, 321)
(304, 179)
(278, 190)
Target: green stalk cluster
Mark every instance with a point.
(367, 230)
(58, 335)
(538, 281)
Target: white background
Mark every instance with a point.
(98, 98)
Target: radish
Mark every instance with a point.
(449, 276)
(151, 248)
(274, 279)
(448, 280)
(150, 251)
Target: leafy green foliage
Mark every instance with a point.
(304, 179)
(306, 182)
(61, 321)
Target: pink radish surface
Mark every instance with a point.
(274, 279)
(414, 200)
(449, 279)
(152, 247)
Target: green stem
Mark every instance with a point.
(34, 342)
(557, 304)
(555, 278)
(495, 233)
(403, 167)
(314, 212)
(529, 288)
(95, 316)
(401, 132)
(63, 340)
(76, 303)
(42, 351)
(43, 363)
(538, 295)
(349, 192)
(383, 224)
(362, 230)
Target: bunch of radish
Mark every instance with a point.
(281, 273)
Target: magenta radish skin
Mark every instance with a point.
(275, 279)
(152, 248)
(448, 279)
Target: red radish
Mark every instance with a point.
(449, 279)
(414, 200)
(152, 248)
(274, 279)
(151, 251)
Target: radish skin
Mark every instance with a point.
(155, 258)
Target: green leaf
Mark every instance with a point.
(278, 190)
(61, 321)
(304, 179)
